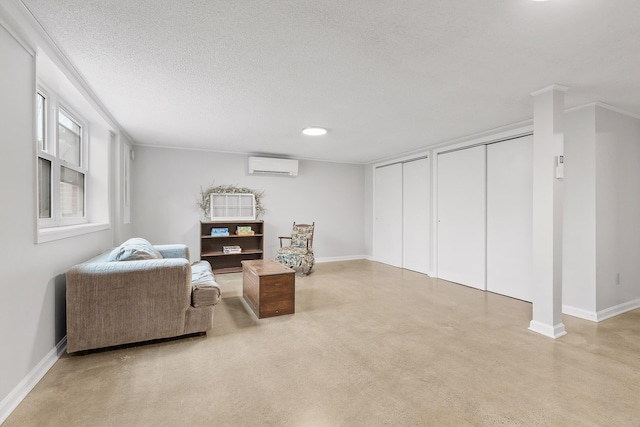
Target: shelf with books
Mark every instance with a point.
(212, 246)
(231, 236)
(221, 253)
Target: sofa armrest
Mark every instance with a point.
(110, 303)
(205, 289)
(173, 251)
(166, 282)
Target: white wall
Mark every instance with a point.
(618, 208)
(166, 185)
(602, 213)
(32, 285)
(123, 228)
(579, 222)
(368, 210)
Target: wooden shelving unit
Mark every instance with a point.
(211, 246)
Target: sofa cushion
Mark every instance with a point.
(205, 289)
(133, 250)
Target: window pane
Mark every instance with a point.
(71, 193)
(44, 188)
(42, 145)
(68, 139)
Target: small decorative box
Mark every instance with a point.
(231, 250)
(243, 230)
(219, 231)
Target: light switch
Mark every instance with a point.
(559, 167)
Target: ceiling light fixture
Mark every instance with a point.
(314, 131)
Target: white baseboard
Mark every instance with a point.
(599, 316)
(551, 331)
(617, 309)
(27, 384)
(340, 258)
(579, 312)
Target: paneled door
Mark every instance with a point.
(415, 215)
(387, 245)
(509, 217)
(461, 217)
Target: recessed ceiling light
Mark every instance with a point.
(314, 131)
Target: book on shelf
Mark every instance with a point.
(231, 250)
(244, 230)
(219, 231)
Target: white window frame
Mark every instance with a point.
(230, 206)
(46, 155)
(54, 104)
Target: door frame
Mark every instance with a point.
(480, 139)
(389, 162)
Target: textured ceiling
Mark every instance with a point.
(384, 76)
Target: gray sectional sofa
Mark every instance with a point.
(126, 295)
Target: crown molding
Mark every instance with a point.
(28, 31)
(605, 106)
(554, 87)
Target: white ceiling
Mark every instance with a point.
(384, 76)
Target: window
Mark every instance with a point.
(44, 160)
(42, 110)
(62, 145)
(72, 169)
(232, 206)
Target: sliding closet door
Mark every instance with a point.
(387, 245)
(461, 216)
(415, 215)
(509, 217)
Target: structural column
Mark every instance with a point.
(548, 146)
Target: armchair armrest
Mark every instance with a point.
(173, 251)
(283, 237)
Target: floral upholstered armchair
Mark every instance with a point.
(300, 252)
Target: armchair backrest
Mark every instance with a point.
(302, 235)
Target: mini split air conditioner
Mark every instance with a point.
(272, 166)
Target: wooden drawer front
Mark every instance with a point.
(277, 295)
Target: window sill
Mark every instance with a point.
(57, 233)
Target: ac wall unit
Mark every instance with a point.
(272, 166)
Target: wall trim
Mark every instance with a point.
(243, 153)
(341, 258)
(31, 32)
(580, 313)
(525, 125)
(13, 399)
(555, 86)
(56, 233)
(551, 331)
(605, 106)
(404, 159)
(8, 23)
(610, 312)
(599, 316)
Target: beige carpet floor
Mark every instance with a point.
(369, 345)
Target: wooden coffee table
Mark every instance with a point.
(268, 287)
